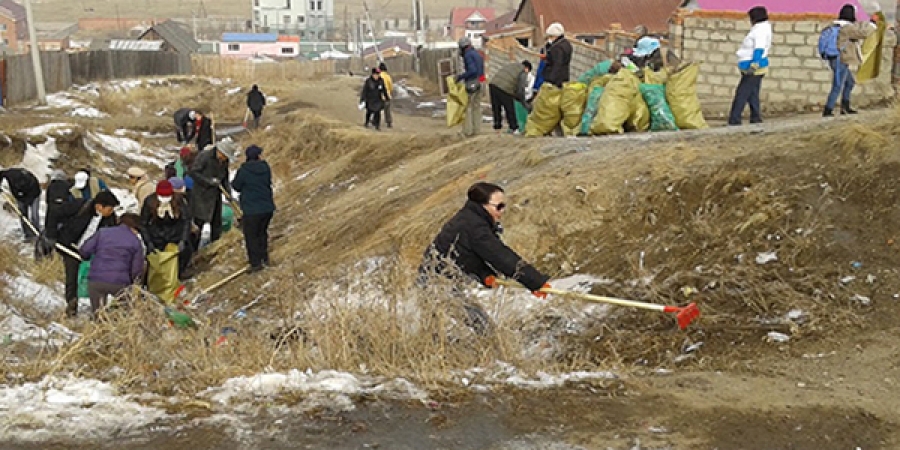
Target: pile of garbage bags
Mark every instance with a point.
(618, 103)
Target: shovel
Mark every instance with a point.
(15, 207)
(683, 314)
(205, 293)
(238, 213)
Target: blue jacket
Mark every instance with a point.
(254, 181)
(474, 65)
(118, 255)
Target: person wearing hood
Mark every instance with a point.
(75, 223)
(469, 243)
(558, 56)
(473, 77)
(845, 56)
(117, 260)
(210, 175)
(373, 97)
(254, 181)
(141, 186)
(753, 63)
(256, 100)
(166, 219)
(26, 189)
(86, 186)
(186, 124)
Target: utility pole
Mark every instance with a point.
(35, 55)
(372, 32)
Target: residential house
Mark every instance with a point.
(309, 19)
(176, 37)
(13, 26)
(592, 20)
(127, 44)
(388, 49)
(470, 22)
(251, 45)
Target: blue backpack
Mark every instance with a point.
(828, 42)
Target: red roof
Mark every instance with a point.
(458, 16)
(597, 16)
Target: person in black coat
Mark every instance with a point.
(73, 224)
(254, 181)
(204, 132)
(26, 189)
(374, 95)
(210, 176)
(558, 56)
(186, 124)
(166, 219)
(256, 100)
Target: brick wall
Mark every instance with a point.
(798, 79)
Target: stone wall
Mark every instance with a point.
(798, 78)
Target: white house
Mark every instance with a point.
(310, 19)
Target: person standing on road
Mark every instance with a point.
(558, 56)
(471, 242)
(117, 260)
(844, 56)
(473, 77)
(507, 86)
(26, 189)
(753, 63)
(210, 175)
(389, 89)
(256, 101)
(75, 223)
(374, 97)
(254, 181)
(186, 124)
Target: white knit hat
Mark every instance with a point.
(555, 29)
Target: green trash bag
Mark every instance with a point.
(227, 218)
(83, 270)
(546, 113)
(661, 117)
(590, 110)
(602, 68)
(521, 115)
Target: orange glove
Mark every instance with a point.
(543, 56)
(490, 281)
(540, 294)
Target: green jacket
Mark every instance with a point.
(511, 79)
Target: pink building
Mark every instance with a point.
(248, 45)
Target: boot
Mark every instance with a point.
(846, 109)
(827, 112)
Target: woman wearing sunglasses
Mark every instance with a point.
(471, 242)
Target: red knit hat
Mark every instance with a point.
(164, 189)
(185, 152)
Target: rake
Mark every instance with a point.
(15, 207)
(683, 314)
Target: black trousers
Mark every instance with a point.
(503, 102)
(256, 238)
(373, 117)
(71, 265)
(256, 115)
(747, 92)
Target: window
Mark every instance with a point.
(234, 47)
(3, 27)
(301, 19)
(319, 5)
(287, 50)
(255, 2)
(312, 5)
(287, 4)
(287, 20)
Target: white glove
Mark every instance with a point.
(362, 106)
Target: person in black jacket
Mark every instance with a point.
(204, 132)
(26, 189)
(57, 194)
(210, 176)
(166, 219)
(471, 242)
(186, 124)
(374, 95)
(254, 181)
(73, 224)
(558, 56)
(256, 100)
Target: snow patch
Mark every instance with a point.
(60, 129)
(39, 296)
(38, 158)
(271, 99)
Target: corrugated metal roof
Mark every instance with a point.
(781, 6)
(598, 16)
(249, 37)
(128, 44)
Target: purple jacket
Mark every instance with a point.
(118, 255)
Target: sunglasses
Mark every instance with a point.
(499, 206)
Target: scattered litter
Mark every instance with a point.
(658, 430)
(766, 257)
(777, 337)
(848, 279)
(861, 299)
(818, 355)
(688, 291)
(693, 347)
(856, 264)
(795, 315)
(871, 279)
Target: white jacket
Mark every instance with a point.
(759, 37)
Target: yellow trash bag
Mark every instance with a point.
(639, 120)
(457, 101)
(600, 81)
(546, 113)
(574, 98)
(651, 77)
(681, 93)
(872, 49)
(162, 273)
(616, 104)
